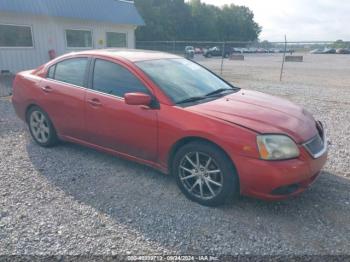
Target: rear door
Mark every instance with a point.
(110, 122)
(64, 92)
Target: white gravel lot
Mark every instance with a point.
(74, 200)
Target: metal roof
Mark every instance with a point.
(112, 11)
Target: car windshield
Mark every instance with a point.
(182, 79)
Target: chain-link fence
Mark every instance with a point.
(237, 59)
(178, 47)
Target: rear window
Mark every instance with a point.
(71, 71)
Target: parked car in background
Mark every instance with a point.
(189, 52)
(217, 51)
(198, 51)
(274, 50)
(324, 51)
(343, 51)
(329, 51)
(316, 51)
(237, 50)
(291, 51)
(262, 51)
(244, 50)
(252, 50)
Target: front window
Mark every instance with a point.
(113, 79)
(79, 38)
(182, 79)
(16, 36)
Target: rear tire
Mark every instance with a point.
(41, 128)
(205, 174)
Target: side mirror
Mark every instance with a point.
(137, 99)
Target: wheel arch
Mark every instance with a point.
(185, 140)
(30, 106)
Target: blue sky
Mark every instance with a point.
(301, 20)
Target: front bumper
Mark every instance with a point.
(277, 180)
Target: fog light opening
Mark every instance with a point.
(286, 190)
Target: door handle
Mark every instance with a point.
(94, 102)
(47, 89)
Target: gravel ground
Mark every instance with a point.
(73, 200)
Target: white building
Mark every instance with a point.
(33, 30)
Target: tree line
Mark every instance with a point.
(168, 20)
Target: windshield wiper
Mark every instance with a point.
(191, 99)
(221, 90)
(197, 98)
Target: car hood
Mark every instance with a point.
(262, 113)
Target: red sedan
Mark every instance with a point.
(158, 109)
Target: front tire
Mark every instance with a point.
(41, 127)
(205, 174)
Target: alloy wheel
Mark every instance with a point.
(200, 175)
(39, 126)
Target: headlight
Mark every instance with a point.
(277, 147)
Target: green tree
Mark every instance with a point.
(236, 23)
(194, 20)
(266, 44)
(204, 21)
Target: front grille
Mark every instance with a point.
(317, 146)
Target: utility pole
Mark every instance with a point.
(284, 56)
(222, 58)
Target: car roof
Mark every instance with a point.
(132, 55)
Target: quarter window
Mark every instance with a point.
(71, 71)
(116, 39)
(79, 38)
(16, 36)
(111, 78)
(51, 72)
